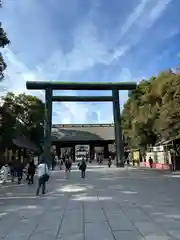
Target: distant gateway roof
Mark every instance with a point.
(80, 132)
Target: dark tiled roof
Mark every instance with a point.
(86, 132)
(23, 142)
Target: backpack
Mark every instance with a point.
(46, 175)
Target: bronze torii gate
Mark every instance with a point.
(49, 98)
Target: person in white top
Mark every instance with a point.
(43, 177)
(5, 171)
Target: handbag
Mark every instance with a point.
(46, 176)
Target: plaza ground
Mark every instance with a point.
(109, 204)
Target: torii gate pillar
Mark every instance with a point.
(118, 129)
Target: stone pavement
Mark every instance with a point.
(110, 204)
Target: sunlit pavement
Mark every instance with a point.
(109, 204)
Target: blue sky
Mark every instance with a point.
(94, 40)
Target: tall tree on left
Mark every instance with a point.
(4, 41)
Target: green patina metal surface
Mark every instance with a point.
(118, 130)
(81, 85)
(82, 98)
(48, 126)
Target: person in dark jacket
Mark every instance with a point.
(12, 168)
(151, 162)
(68, 165)
(110, 161)
(19, 170)
(82, 168)
(31, 172)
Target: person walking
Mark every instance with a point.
(12, 168)
(61, 164)
(26, 171)
(43, 177)
(150, 162)
(19, 170)
(68, 164)
(110, 161)
(4, 171)
(82, 168)
(31, 172)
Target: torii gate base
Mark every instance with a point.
(49, 98)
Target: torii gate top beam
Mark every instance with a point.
(40, 85)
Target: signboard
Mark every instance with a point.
(81, 151)
(158, 148)
(112, 148)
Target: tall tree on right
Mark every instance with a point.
(152, 111)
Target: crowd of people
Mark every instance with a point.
(66, 162)
(15, 171)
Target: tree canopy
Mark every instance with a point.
(29, 114)
(3, 42)
(152, 112)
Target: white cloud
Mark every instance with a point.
(133, 17)
(15, 81)
(142, 18)
(119, 52)
(16, 76)
(86, 52)
(158, 10)
(89, 49)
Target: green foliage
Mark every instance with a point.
(7, 127)
(29, 114)
(152, 111)
(3, 42)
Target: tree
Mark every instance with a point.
(4, 41)
(167, 124)
(7, 128)
(152, 111)
(29, 112)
